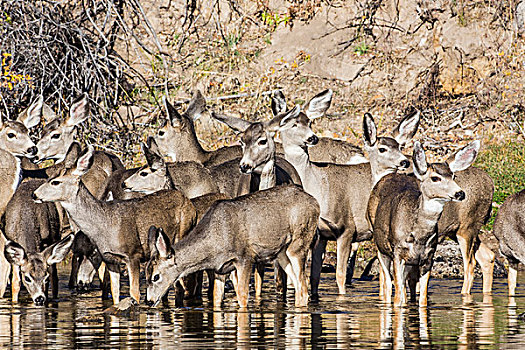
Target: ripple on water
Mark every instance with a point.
(355, 321)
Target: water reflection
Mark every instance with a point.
(357, 321)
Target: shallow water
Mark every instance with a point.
(357, 321)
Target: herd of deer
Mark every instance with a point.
(229, 210)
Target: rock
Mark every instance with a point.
(127, 307)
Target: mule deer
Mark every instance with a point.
(228, 238)
(33, 247)
(191, 178)
(404, 211)
(327, 149)
(177, 139)
(58, 141)
(14, 143)
(511, 236)
(259, 156)
(119, 229)
(342, 190)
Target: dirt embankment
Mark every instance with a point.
(461, 62)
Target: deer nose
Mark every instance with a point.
(460, 195)
(32, 150)
(33, 196)
(313, 140)
(245, 168)
(123, 185)
(149, 302)
(405, 164)
(40, 300)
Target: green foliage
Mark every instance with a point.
(361, 49)
(273, 20)
(505, 165)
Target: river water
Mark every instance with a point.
(356, 321)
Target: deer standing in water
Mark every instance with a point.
(34, 246)
(119, 229)
(15, 143)
(229, 238)
(404, 211)
(342, 190)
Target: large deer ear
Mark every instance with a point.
(48, 114)
(319, 104)
(464, 158)
(419, 160)
(290, 116)
(78, 112)
(369, 130)
(197, 106)
(58, 251)
(153, 156)
(162, 243)
(233, 122)
(72, 155)
(32, 115)
(15, 253)
(278, 103)
(84, 162)
(407, 128)
(173, 115)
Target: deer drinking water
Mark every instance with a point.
(119, 229)
(34, 246)
(404, 211)
(342, 190)
(235, 234)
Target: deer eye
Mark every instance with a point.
(382, 150)
(435, 179)
(263, 142)
(27, 279)
(55, 136)
(11, 135)
(155, 278)
(161, 133)
(55, 183)
(143, 174)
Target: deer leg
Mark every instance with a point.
(114, 278)
(258, 279)
(400, 272)
(211, 283)
(317, 264)
(412, 282)
(287, 265)
(5, 267)
(485, 257)
(75, 263)
(218, 290)
(134, 279)
(385, 280)
(297, 261)
(469, 263)
(15, 284)
(280, 278)
(344, 244)
(351, 263)
(512, 278)
(54, 281)
(243, 283)
(105, 285)
(192, 284)
(423, 289)
(179, 293)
